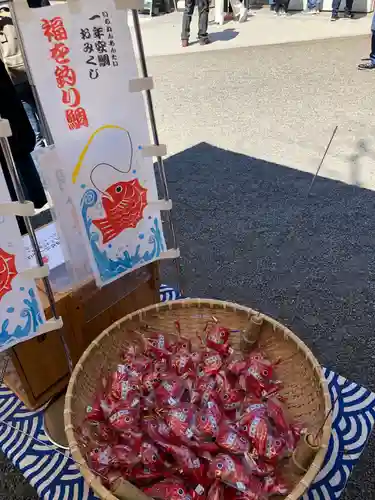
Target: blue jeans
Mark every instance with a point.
(25, 94)
(372, 54)
(313, 4)
(203, 11)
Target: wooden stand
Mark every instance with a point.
(38, 368)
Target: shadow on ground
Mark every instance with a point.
(249, 234)
(224, 36)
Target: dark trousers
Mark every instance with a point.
(336, 6)
(26, 96)
(281, 4)
(203, 10)
(31, 184)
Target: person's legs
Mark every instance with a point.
(278, 6)
(371, 63)
(335, 9)
(313, 6)
(186, 19)
(239, 10)
(30, 179)
(28, 102)
(203, 10)
(372, 54)
(349, 8)
(31, 112)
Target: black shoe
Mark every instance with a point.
(368, 65)
(204, 41)
(334, 17)
(349, 15)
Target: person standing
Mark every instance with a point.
(203, 11)
(281, 7)
(348, 9)
(12, 58)
(313, 7)
(239, 10)
(371, 62)
(22, 143)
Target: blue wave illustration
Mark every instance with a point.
(110, 268)
(33, 319)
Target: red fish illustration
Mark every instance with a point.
(8, 272)
(123, 204)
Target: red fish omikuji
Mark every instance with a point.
(123, 204)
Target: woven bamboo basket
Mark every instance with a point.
(304, 386)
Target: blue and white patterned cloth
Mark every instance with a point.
(56, 477)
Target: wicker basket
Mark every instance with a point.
(305, 388)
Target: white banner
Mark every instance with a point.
(81, 65)
(21, 313)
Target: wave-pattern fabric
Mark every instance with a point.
(168, 293)
(56, 477)
(353, 420)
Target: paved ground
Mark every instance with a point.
(278, 103)
(244, 128)
(262, 29)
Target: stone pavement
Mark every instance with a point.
(161, 34)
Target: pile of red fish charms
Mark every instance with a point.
(185, 425)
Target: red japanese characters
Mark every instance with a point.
(191, 421)
(66, 78)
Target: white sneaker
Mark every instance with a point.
(243, 15)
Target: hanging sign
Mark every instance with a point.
(21, 313)
(82, 60)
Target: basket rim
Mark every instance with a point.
(93, 480)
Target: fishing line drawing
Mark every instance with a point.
(123, 202)
(81, 157)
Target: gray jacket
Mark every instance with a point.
(10, 48)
